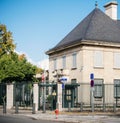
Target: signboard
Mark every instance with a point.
(92, 83)
(92, 80)
(63, 79)
(92, 76)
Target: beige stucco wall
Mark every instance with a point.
(85, 64)
(107, 72)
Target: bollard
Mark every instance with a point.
(114, 107)
(104, 107)
(16, 108)
(56, 113)
(69, 107)
(33, 109)
(81, 106)
(4, 108)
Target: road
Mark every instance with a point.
(27, 117)
(21, 119)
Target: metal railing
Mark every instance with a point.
(23, 94)
(106, 97)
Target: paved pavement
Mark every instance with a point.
(70, 117)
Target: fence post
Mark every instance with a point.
(33, 109)
(104, 105)
(81, 106)
(16, 108)
(9, 95)
(114, 107)
(69, 107)
(4, 108)
(92, 99)
(35, 96)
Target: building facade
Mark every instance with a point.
(93, 46)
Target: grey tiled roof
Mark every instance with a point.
(118, 22)
(96, 26)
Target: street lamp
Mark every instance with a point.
(54, 94)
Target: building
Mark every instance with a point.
(93, 46)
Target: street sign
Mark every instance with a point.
(92, 80)
(92, 83)
(92, 76)
(63, 79)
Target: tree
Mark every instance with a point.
(13, 67)
(6, 41)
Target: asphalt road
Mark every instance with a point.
(21, 119)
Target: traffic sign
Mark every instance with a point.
(92, 76)
(92, 83)
(63, 79)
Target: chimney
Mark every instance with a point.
(111, 9)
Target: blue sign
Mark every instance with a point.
(63, 79)
(92, 76)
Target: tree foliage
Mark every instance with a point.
(13, 67)
(6, 41)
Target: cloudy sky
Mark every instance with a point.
(38, 25)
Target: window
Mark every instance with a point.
(55, 64)
(117, 60)
(117, 88)
(73, 81)
(98, 59)
(98, 86)
(74, 62)
(64, 62)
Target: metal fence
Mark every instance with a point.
(47, 96)
(2, 93)
(23, 94)
(105, 97)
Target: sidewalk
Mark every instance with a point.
(70, 117)
(79, 117)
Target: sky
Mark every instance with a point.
(38, 25)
